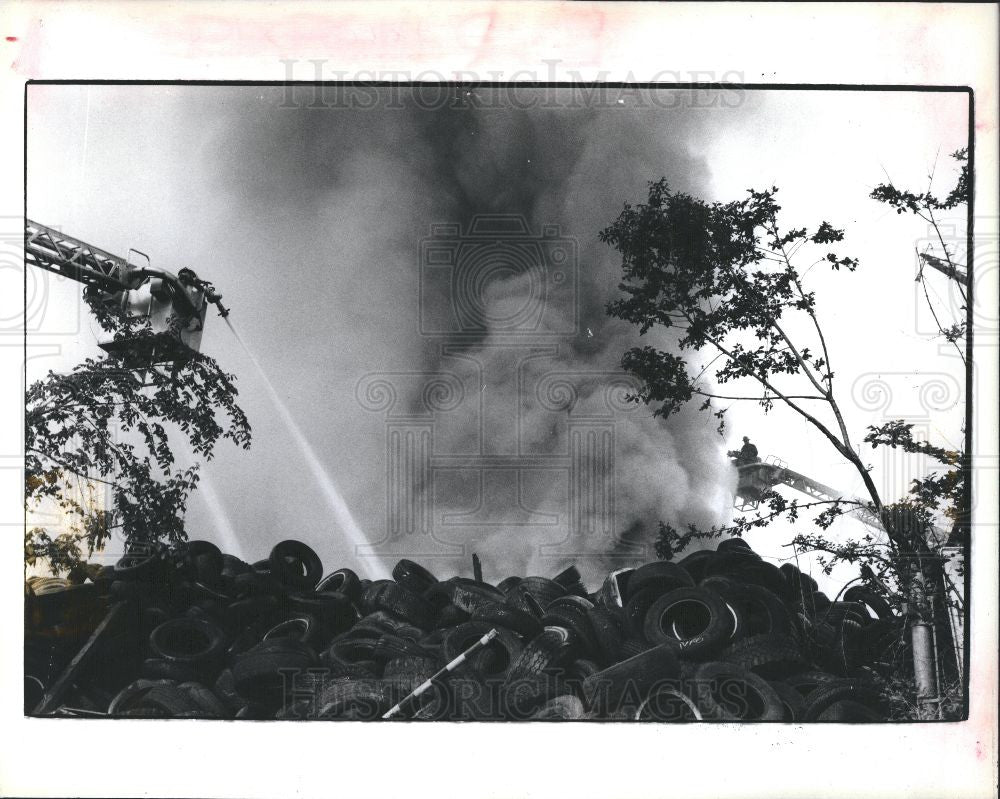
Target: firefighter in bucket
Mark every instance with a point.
(746, 455)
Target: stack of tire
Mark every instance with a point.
(717, 636)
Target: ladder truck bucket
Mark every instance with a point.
(174, 306)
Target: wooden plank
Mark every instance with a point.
(54, 695)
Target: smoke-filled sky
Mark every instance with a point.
(492, 374)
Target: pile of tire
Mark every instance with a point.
(716, 636)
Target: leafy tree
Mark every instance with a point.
(946, 492)
(728, 282)
(109, 423)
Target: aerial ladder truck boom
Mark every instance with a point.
(174, 304)
(755, 479)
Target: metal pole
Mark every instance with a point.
(923, 663)
(429, 683)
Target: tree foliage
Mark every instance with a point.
(939, 491)
(725, 278)
(112, 422)
(729, 283)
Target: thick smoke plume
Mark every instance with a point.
(344, 200)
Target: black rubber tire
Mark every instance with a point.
(493, 660)
(413, 576)
(531, 678)
(254, 583)
(608, 635)
(163, 669)
(847, 710)
(620, 689)
(254, 711)
(347, 650)
(409, 672)
(634, 646)
(172, 701)
(296, 564)
(389, 647)
(161, 698)
(634, 615)
(255, 612)
(263, 673)
(801, 586)
(561, 708)
(568, 577)
(734, 544)
(875, 641)
(302, 627)
(368, 601)
(770, 656)
(766, 575)
(153, 616)
(573, 613)
(225, 689)
(705, 631)
(184, 640)
(668, 704)
(203, 561)
(504, 615)
(662, 575)
(380, 622)
(790, 698)
(726, 692)
(876, 603)
(465, 594)
(728, 564)
(840, 612)
(807, 682)
(451, 616)
(197, 591)
(332, 608)
(234, 565)
(406, 605)
(696, 563)
(357, 700)
(855, 690)
(582, 668)
(343, 580)
(817, 604)
(542, 589)
(124, 699)
(206, 569)
(758, 610)
(137, 567)
(206, 699)
(507, 583)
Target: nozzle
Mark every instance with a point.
(216, 298)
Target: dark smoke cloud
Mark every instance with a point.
(342, 198)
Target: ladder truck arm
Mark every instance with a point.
(756, 478)
(171, 302)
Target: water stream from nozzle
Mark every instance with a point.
(335, 500)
